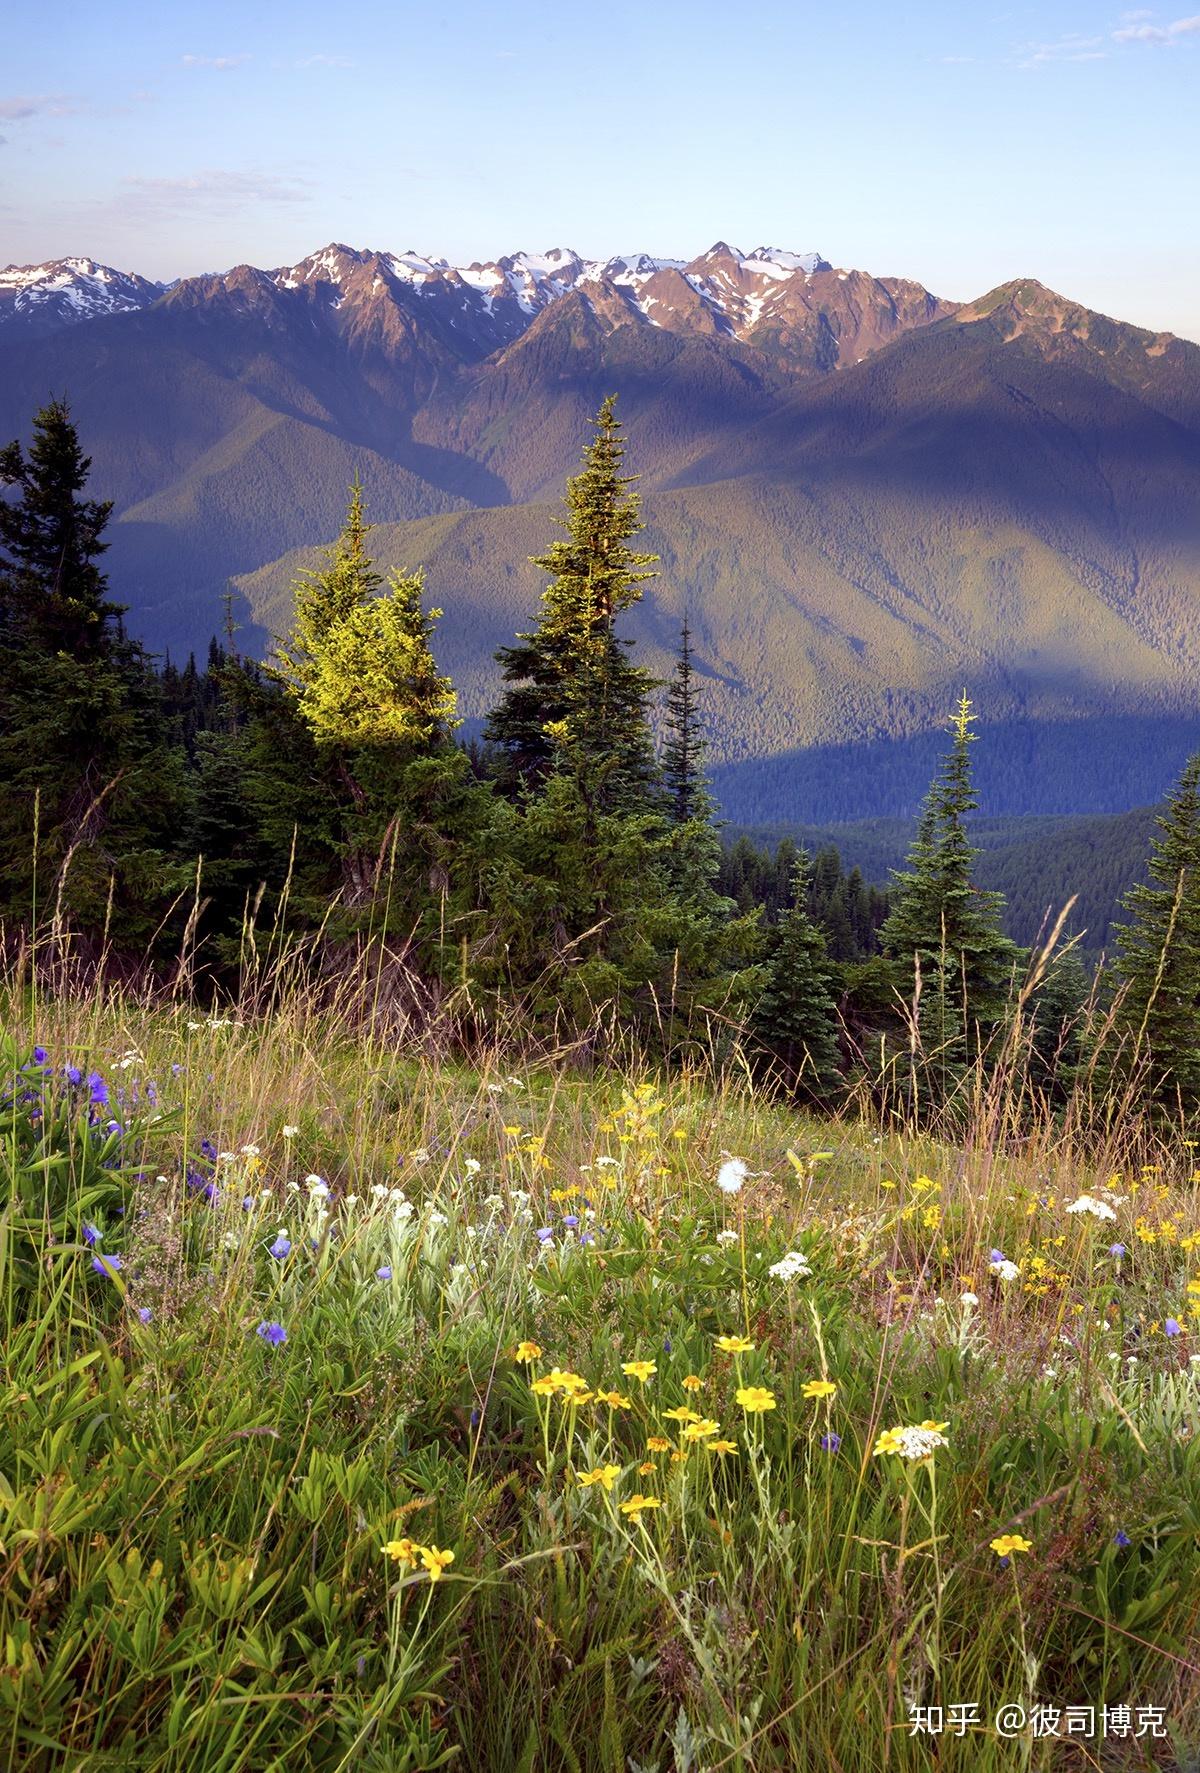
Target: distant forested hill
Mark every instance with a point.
(1037, 862)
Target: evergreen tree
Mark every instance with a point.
(326, 597)
(795, 1018)
(52, 592)
(942, 931)
(575, 699)
(359, 787)
(82, 729)
(1158, 1016)
(684, 780)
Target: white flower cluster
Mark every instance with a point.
(919, 1443)
(793, 1266)
(1087, 1203)
(1005, 1270)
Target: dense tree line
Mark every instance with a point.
(565, 865)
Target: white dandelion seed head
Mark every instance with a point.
(731, 1175)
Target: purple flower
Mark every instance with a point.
(212, 1193)
(106, 1265)
(1117, 1250)
(281, 1247)
(996, 1256)
(208, 1150)
(666, 1345)
(1005, 1562)
(585, 1237)
(145, 1313)
(831, 1443)
(39, 1055)
(544, 1233)
(113, 1126)
(247, 1202)
(383, 1273)
(272, 1333)
(1121, 1539)
(176, 1068)
(98, 1087)
(91, 1235)
(571, 1219)
(73, 1075)
(1172, 1327)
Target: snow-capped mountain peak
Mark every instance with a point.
(64, 291)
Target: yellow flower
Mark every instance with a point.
(527, 1351)
(606, 1475)
(819, 1388)
(722, 1446)
(544, 1387)
(890, 1441)
(642, 1370)
(681, 1414)
(1010, 1542)
(575, 1400)
(934, 1427)
(637, 1504)
(435, 1561)
(404, 1551)
(692, 1383)
(560, 1194)
(678, 1133)
(701, 1429)
(513, 1132)
(568, 1381)
(734, 1345)
(616, 1400)
(657, 1444)
(646, 1468)
(755, 1399)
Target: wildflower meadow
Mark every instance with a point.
(362, 1410)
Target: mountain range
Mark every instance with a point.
(865, 496)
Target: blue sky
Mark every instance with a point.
(956, 144)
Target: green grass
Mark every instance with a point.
(192, 1520)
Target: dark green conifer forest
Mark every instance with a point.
(169, 819)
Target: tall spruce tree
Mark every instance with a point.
(684, 780)
(1158, 1015)
(575, 700)
(795, 1019)
(942, 931)
(82, 732)
(351, 750)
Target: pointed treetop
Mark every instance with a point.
(963, 719)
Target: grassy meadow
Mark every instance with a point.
(366, 1408)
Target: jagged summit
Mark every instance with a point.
(43, 298)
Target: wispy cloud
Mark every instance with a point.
(1137, 28)
(1069, 48)
(221, 64)
(324, 61)
(211, 192)
(22, 106)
